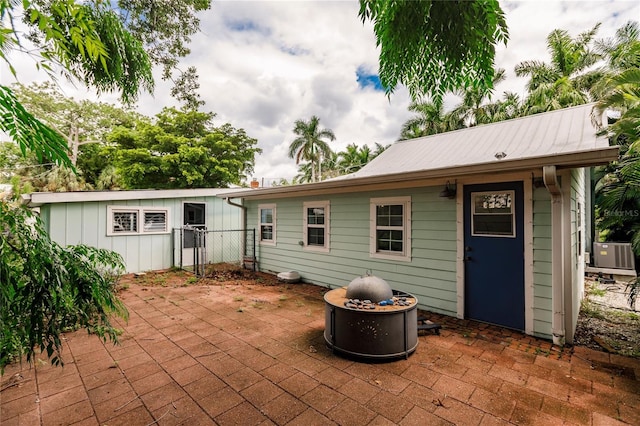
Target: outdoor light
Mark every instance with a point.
(449, 191)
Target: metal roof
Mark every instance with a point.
(565, 131)
(564, 138)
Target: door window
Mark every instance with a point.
(493, 214)
(194, 215)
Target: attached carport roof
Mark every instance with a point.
(564, 138)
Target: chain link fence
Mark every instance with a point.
(199, 250)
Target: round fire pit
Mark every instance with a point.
(362, 328)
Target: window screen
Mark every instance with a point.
(125, 222)
(128, 220)
(155, 221)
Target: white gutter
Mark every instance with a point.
(550, 178)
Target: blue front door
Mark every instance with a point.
(494, 253)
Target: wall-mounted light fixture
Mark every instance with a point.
(449, 191)
(538, 182)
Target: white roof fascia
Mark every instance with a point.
(41, 198)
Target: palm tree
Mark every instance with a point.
(430, 119)
(379, 150)
(309, 144)
(353, 158)
(474, 108)
(567, 80)
(304, 173)
(507, 108)
(330, 167)
(618, 189)
(621, 51)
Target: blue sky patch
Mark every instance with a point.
(246, 25)
(366, 79)
(293, 50)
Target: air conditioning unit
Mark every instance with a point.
(613, 255)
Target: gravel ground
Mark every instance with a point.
(606, 322)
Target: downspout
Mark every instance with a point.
(243, 220)
(550, 178)
(243, 208)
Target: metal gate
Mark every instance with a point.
(209, 247)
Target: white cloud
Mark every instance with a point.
(292, 60)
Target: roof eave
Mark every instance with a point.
(569, 160)
(37, 199)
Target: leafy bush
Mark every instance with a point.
(46, 289)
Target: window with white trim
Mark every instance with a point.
(390, 230)
(493, 214)
(316, 225)
(129, 220)
(267, 224)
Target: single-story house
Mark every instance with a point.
(137, 224)
(485, 223)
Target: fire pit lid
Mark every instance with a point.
(369, 287)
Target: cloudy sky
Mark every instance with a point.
(265, 64)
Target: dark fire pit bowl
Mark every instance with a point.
(383, 333)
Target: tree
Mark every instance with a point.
(567, 80)
(83, 124)
(430, 120)
(182, 149)
(304, 173)
(83, 41)
(80, 122)
(621, 51)
(510, 106)
(309, 145)
(163, 29)
(46, 288)
(435, 47)
(353, 158)
(618, 187)
(475, 106)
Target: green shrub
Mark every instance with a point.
(46, 289)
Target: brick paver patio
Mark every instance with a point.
(250, 355)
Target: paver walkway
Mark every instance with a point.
(252, 355)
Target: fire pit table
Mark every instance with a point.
(381, 327)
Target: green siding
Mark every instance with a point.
(578, 188)
(86, 223)
(430, 275)
(542, 307)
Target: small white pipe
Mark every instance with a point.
(558, 331)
